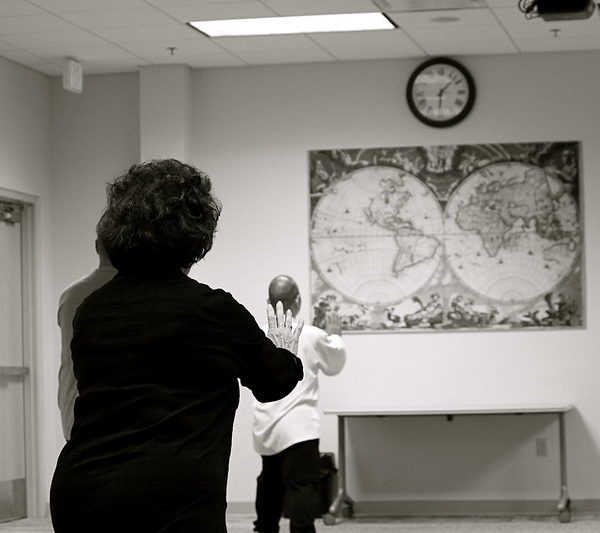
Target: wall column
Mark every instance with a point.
(165, 112)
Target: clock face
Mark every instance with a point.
(440, 92)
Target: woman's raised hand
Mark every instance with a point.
(280, 329)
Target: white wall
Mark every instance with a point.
(94, 138)
(25, 169)
(252, 130)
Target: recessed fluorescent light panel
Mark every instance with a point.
(287, 25)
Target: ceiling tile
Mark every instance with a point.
(22, 56)
(219, 58)
(95, 61)
(49, 69)
(11, 8)
(368, 44)
(6, 46)
(180, 3)
(159, 32)
(224, 60)
(424, 5)
(430, 19)
(217, 10)
(86, 54)
(503, 3)
(469, 47)
(276, 56)
(52, 38)
(264, 43)
(118, 18)
(318, 7)
(64, 6)
(110, 68)
(183, 47)
(374, 52)
(33, 24)
(458, 34)
(511, 15)
(559, 44)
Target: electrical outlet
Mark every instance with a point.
(541, 447)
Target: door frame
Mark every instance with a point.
(32, 383)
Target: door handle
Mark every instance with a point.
(14, 371)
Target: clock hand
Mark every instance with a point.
(441, 92)
(443, 89)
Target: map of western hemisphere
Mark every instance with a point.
(447, 237)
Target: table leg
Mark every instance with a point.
(341, 496)
(564, 504)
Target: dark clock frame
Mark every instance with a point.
(470, 100)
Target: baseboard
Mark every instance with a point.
(240, 508)
(469, 507)
(450, 507)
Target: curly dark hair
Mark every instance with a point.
(159, 215)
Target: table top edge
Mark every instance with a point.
(452, 410)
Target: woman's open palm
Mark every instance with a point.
(280, 328)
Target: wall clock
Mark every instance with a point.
(440, 92)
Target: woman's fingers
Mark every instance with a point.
(298, 329)
(296, 337)
(279, 313)
(271, 320)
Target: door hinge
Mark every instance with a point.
(10, 212)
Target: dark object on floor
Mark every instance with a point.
(327, 482)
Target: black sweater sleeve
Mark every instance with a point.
(271, 373)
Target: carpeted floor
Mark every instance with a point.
(243, 524)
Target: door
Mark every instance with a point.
(13, 369)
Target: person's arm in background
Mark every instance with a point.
(331, 347)
(67, 384)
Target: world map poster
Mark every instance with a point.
(439, 238)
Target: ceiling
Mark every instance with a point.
(108, 36)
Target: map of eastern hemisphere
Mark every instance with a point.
(512, 232)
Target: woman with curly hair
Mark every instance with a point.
(157, 357)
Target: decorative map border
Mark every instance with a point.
(506, 212)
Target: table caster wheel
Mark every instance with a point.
(564, 516)
(329, 519)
